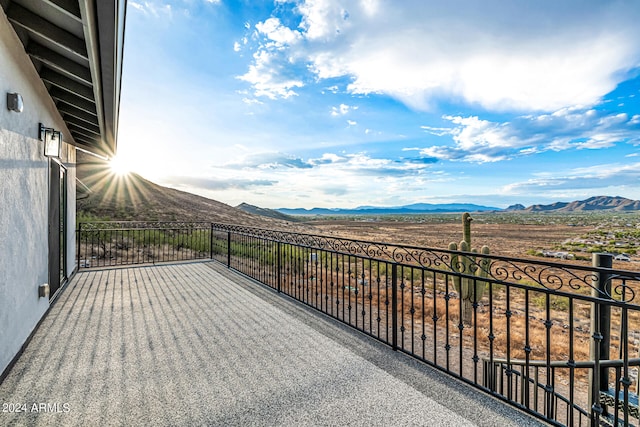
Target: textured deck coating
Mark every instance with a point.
(196, 344)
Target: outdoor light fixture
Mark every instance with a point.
(14, 102)
(52, 141)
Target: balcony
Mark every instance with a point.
(197, 344)
(244, 325)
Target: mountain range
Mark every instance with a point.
(598, 203)
(413, 209)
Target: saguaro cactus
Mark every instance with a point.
(469, 289)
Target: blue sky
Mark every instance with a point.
(334, 103)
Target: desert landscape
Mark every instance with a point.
(519, 235)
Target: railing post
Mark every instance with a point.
(279, 268)
(228, 248)
(600, 333)
(211, 242)
(79, 243)
(394, 306)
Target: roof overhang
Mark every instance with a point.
(77, 47)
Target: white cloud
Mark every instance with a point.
(274, 163)
(327, 158)
(269, 161)
(278, 33)
(437, 131)
(251, 101)
(269, 77)
(166, 9)
(586, 180)
(342, 109)
(323, 19)
(481, 141)
(157, 9)
(547, 57)
(217, 184)
(270, 74)
(352, 122)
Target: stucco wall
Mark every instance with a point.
(24, 181)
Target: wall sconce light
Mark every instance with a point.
(14, 102)
(44, 290)
(52, 141)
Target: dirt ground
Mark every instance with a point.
(502, 239)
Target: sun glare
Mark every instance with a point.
(120, 166)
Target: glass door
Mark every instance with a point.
(63, 224)
(57, 226)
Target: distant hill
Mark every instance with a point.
(598, 203)
(104, 195)
(554, 207)
(270, 213)
(417, 208)
(516, 207)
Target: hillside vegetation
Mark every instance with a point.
(133, 198)
(270, 213)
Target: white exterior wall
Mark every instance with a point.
(24, 181)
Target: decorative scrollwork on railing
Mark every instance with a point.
(568, 278)
(424, 257)
(552, 277)
(621, 291)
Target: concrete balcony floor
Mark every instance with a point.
(197, 344)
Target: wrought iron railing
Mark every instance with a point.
(518, 379)
(528, 340)
(103, 244)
